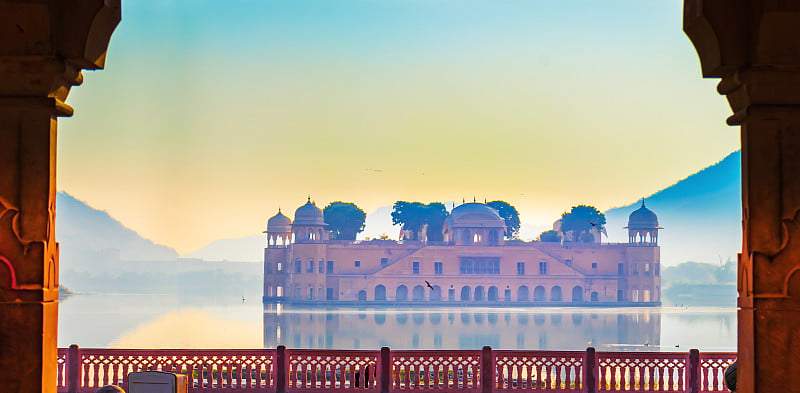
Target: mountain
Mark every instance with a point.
(701, 215)
(89, 237)
(246, 249)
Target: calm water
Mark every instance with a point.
(166, 321)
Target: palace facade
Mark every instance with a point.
(474, 264)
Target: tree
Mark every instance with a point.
(414, 215)
(345, 220)
(550, 236)
(580, 221)
(510, 216)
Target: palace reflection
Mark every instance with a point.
(462, 328)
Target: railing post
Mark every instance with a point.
(590, 371)
(693, 372)
(487, 370)
(386, 370)
(73, 369)
(281, 372)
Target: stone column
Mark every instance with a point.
(43, 47)
(754, 47)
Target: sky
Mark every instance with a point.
(211, 115)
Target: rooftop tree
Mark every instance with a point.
(413, 216)
(345, 220)
(580, 221)
(510, 216)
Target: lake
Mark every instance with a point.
(172, 321)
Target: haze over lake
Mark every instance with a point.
(171, 321)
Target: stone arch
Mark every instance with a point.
(479, 292)
(595, 296)
(465, 293)
(555, 294)
(362, 296)
(492, 295)
(577, 293)
(401, 293)
(436, 293)
(522, 294)
(539, 294)
(494, 239)
(418, 293)
(380, 292)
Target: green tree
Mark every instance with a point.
(581, 220)
(414, 215)
(510, 215)
(345, 220)
(550, 236)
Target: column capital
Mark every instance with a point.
(44, 45)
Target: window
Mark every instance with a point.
(329, 268)
(543, 268)
(321, 267)
(329, 294)
(310, 266)
(657, 268)
(415, 268)
(298, 266)
(646, 269)
(357, 263)
(437, 268)
(479, 265)
(269, 267)
(520, 268)
(310, 293)
(621, 269)
(568, 262)
(634, 270)
(384, 261)
(280, 267)
(620, 295)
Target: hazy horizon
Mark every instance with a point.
(211, 116)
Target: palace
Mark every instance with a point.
(472, 265)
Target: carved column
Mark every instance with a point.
(754, 46)
(43, 47)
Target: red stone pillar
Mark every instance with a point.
(753, 46)
(43, 47)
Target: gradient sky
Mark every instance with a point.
(212, 114)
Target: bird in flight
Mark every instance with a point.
(428, 284)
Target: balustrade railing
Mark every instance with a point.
(285, 370)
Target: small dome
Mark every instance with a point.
(642, 218)
(279, 223)
(309, 214)
(472, 215)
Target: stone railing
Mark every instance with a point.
(285, 370)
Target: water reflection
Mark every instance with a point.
(463, 328)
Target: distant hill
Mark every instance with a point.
(246, 249)
(701, 215)
(90, 237)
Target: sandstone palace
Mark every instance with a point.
(473, 265)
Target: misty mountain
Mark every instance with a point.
(89, 237)
(701, 215)
(246, 249)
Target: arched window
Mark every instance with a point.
(577, 293)
(436, 293)
(479, 293)
(380, 293)
(466, 238)
(555, 294)
(493, 238)
(362, 296)
(465, 292)
(539, 294)
(522, 294)
(418, 294)
(492, 295)
(595, 297)
(401, 294)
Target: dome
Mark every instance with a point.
(642, 218)
(309, 214)
(279, 223)
(474, 215)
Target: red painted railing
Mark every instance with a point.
(488, 371)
